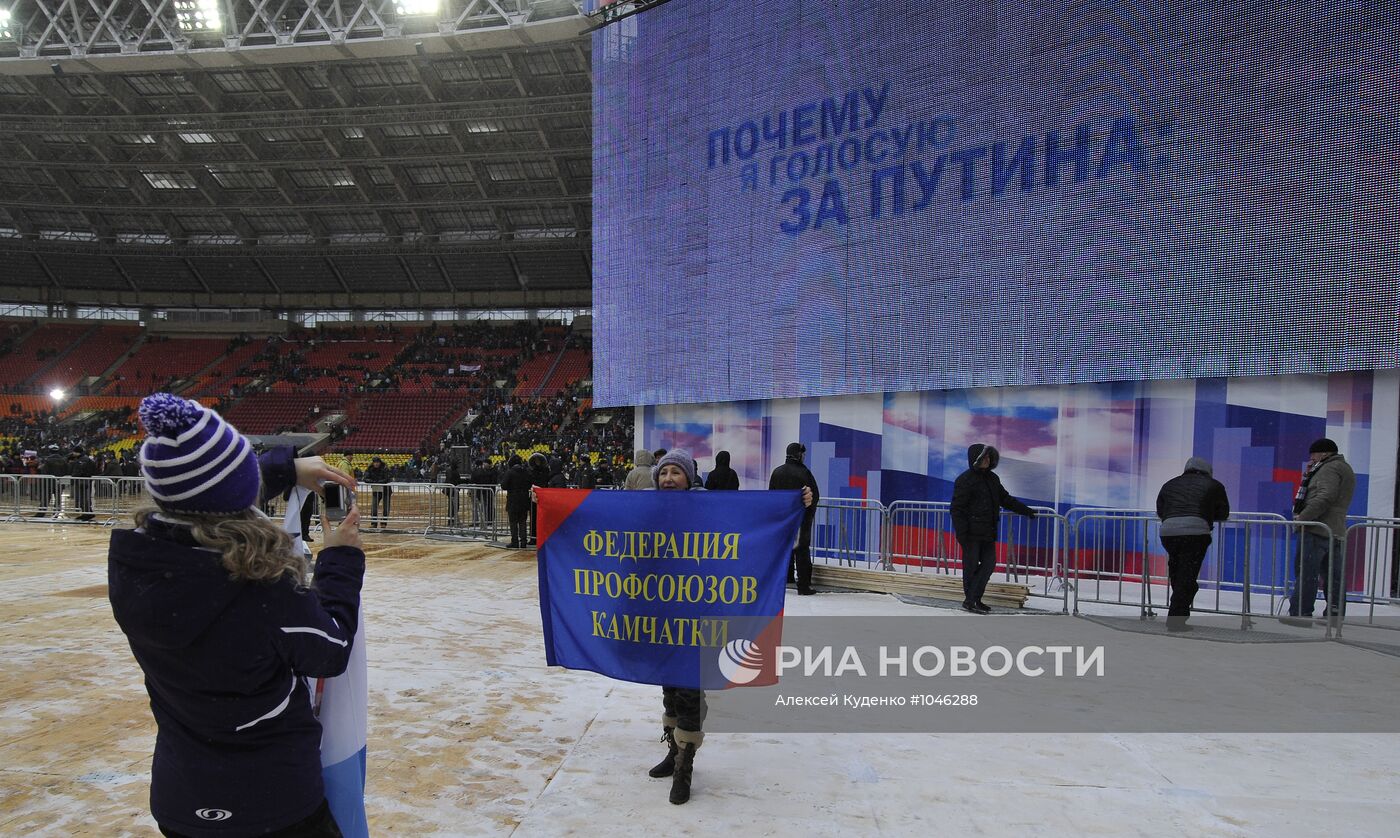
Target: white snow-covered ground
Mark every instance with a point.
(471, 734)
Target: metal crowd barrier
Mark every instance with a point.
(1101, 556)
(400, 507)
(131, 495)
(849, 531)
(472, 512)
(87, 500)
(1251, 567)
(9, 496)
(469, 511)
(1033, 548)
(920, 538)
(1371, 544)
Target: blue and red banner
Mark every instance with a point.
(683, 589)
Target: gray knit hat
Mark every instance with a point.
(675, 457)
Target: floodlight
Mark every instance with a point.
(411, 8)
(57, 394)
(198, 15)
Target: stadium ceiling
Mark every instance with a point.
(308, 154)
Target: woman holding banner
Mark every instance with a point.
(683, 709)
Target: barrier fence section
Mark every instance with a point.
(849, 531)
(1250, 568)
(85, 500)
(920, 538)
(131, 495)
(9, 496)
(1373, 541)
(400, 506)
(1094, 555)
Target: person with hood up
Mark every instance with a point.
(978, 498)
(640, 475)
(1189, 505)
(792, 474)
(723, 477)
(516, 484)
(683, 709)
(214, 601)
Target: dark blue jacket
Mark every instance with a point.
(237, 747)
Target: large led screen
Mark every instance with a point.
(796, 198)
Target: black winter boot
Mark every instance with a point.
(680, 783)
(667, 766)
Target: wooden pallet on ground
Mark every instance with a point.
(934, 586)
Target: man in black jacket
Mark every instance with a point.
(452, 476)
(483, 501)
(978, 498)
(517, 485)
(792, 474)
(55, 468)
(377, 475)
(80, 465)
(584, 475)
(540, 474)
(1188, 505)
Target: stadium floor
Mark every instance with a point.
(470, 734)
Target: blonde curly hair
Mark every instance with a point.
(252, 547)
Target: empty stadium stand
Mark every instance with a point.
(92, 355)
(160, 361)
(269, 413)
(40, 350)
(395, 422)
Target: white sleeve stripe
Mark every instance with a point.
(274, 712)
(309, 630)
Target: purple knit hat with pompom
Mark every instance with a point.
(194, 461)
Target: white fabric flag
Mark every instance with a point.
(342, 705)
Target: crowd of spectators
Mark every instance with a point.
(480, 357)
(46, 444)
(564, 425)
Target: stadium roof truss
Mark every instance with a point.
(82, 28)
(456, 163)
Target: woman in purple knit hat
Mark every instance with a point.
(213, 597)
